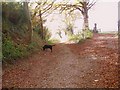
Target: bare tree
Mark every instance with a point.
(83, 6)
(42, 9)
(69, 21)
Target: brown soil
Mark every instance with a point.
(90, 64)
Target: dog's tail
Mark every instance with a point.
(53, 45)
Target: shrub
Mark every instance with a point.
(80, 36)
(10, 50)
(51, 41)
(75, 38)
(47, 34)
(32, 46)
(88, 34)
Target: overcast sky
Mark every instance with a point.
(105, 14)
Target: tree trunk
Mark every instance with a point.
(28, 16)
(85, 16)
(41, 26)
(86, 22)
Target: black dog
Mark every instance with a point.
(48, 46)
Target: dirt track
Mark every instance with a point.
(91, 64)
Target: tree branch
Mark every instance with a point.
(48, 7)
(92, 4)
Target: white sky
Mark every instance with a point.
(119, 11)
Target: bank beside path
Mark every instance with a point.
(90, 64)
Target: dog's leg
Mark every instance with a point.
(43, 48)
(51, 49)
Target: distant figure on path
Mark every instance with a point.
(95, 28)
(119, 25)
